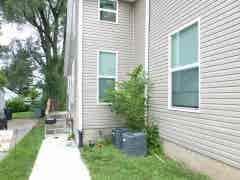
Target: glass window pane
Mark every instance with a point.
(108, 4)
(185, 46)
(104, 85)
(107, 64)
(185, 88)
(107, 16)
(174, 51)
(188, 43)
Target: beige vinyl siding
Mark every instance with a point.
(215, 130)
(74, 109)
(100, 35)
(139, 30)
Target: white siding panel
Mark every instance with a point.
(139, 30)
(215, 130)
(100, 35)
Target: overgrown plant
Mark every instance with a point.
(128, 99)
(153, 139)
(71, 136)
(3, 80)
(17, 105)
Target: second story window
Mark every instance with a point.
(108, 10)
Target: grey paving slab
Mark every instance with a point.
(59, 159)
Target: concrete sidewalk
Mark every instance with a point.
(59, 160)
(21, 127)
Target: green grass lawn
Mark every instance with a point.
(110, 164)
(19, 162)
(23, 115)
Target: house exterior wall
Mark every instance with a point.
(71, 36)
(127, 38)
(214, 131)
(74, 99)
(139, 9)
(100, 35)
(199, 163)
(212, 134)
(72, 59)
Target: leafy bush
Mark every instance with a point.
(33, 93)
(17, 105)
(36, 104)
(128, 99)
(153, 139)
(3, 80)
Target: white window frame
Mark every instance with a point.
(185, 67)
(108, 10)
(106, 77)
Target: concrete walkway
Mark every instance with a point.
(59, 160)
(21, 127)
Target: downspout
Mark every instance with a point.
(146, 63)
(79, 89)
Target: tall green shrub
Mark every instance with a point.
(128, 99)
(17, 105)
(3, 80)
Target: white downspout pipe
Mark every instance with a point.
(146, 63)
(79, 88)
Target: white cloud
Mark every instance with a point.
(12, 31)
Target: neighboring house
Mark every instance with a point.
(8, 94)
(190, 50)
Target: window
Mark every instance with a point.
(108, 10)
(184, 69)
(107, 69)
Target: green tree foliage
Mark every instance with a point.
(3, 80)
(19, 72)
(48, 17)
(128, 99)
(33, 93)
(153, 139)
(17, 105)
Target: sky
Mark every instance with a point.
(10, 32)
